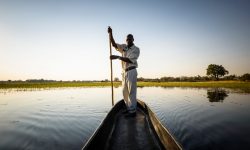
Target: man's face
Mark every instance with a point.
(130, 40)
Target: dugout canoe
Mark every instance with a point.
(142, 132)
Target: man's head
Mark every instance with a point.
(130, 40)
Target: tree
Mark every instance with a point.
(216, 71)
(245, 77)
(116, 79)
(140, 79)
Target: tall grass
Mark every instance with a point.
(226, 84)
(213, 84)
(54, 84)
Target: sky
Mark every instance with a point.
(68, 40)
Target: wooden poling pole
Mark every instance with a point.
(112, 88)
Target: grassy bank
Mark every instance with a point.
(54, 84)
(225, 84)
(236, 85)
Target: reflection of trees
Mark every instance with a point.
(216, 95)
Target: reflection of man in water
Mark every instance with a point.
(130, 54)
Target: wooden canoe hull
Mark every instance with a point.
(144, 131)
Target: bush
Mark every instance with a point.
(245, 77)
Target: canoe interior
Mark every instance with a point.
(141, 132)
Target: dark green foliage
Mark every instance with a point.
(245, 77)
(116, 79)
(230, 77)
(216, 71)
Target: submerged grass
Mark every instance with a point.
(210, 84)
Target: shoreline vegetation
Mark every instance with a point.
(241, 85)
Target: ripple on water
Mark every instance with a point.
(48, 127)
(65, 119)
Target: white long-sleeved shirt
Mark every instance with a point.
(131, 53)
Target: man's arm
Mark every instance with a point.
(125, 59)
(111, 37)
(121, 58)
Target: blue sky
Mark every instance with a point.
(68, 40)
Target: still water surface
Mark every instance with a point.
(65, 118)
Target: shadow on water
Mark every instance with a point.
(216, 95)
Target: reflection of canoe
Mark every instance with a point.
(144, 131)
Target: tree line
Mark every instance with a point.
(245, 77)
(214, 72)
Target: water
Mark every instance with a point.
(65, 118)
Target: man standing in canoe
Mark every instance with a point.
(130, 54)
